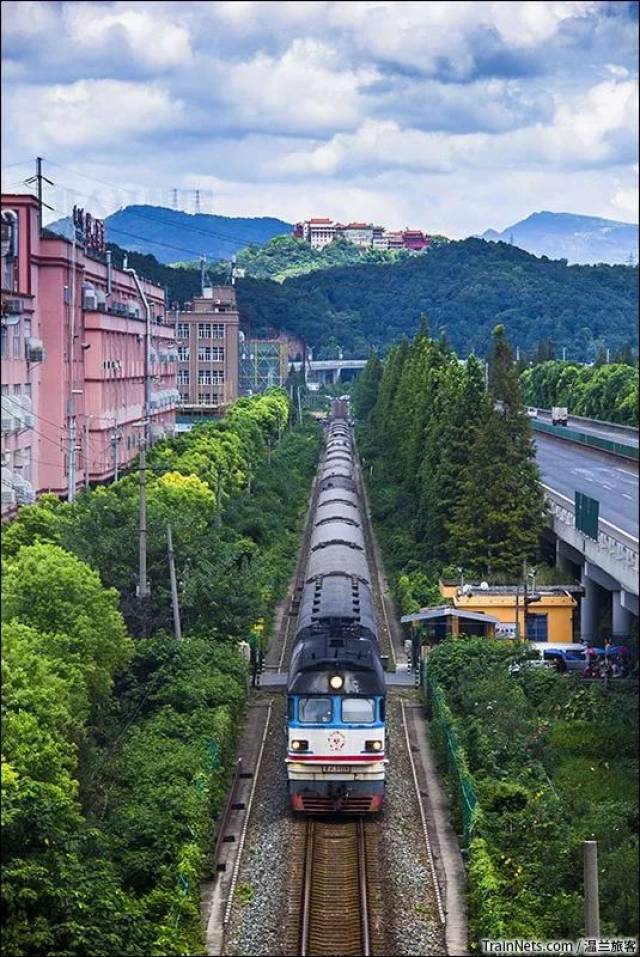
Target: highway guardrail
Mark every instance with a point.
(585, 438)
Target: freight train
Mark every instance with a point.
(336, 684)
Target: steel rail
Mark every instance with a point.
(425, 831)
(364, 900)
(236, 867)
(306, 901)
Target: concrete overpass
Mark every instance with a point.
(330, 371)
(609, 565)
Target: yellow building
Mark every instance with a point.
(550, 613)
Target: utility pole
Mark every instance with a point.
(85, 433)
(147, 354)
(203, 266)
(71, 412)
(219, 499)
(38, 180)
(564, 353)
(143, 590)
(299, 407)
(591, 897)
(115, 441)
(71, 469)
(177, 628)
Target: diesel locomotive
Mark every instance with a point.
(336, 685)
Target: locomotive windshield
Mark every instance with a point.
(315, 710)
(358, 710)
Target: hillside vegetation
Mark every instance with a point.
(285, 256)
(465, 288)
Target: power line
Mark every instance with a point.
(225, 237)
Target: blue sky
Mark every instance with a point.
(452, 116)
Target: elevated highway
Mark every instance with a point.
(609, 564)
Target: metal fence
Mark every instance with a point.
(584, 438)
(451, 755)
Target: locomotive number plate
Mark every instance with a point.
(333, 768)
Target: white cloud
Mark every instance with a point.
(307, 88)
(90, 114)
(592, 129)
(154, 42)
(452, 115)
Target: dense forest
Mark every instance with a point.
(453, 479)
(608, 392)
(465, 288)
(118, 741)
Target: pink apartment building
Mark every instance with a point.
(73, 360)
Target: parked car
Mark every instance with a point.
(532, 412)
(544, 654)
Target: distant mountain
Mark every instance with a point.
(170, 235)
(578, 239)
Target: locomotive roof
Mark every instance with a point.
(316, 658)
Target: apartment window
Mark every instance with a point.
(204, 377)
(16, 341)
(27, 389)
(27, 328)
(217, 354)
(26, 464)
(204, 353)
(217, 330)
(183, 377)
(3, 342)
(183, 353)
(205, 399)
(204, 330)
(5, 389)
(184, 398)
(17, 460)
(217, 376)
(17, 390)
(182, 331)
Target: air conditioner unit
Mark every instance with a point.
(102, 307)
(133, 309)
(34, 350)
(8, 491)
(13, 307)
(27, 412)
(90, 300)
(24, 492)
(8, 422)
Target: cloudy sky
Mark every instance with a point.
(451, 116)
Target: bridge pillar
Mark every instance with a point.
(588, 609)
(621, 617)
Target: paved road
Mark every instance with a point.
(568, 468)
(600, 430)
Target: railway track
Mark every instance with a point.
(337, 908)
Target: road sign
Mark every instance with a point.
(587, 514)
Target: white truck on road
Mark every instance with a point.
(559, 415)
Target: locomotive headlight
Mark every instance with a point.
(373, 745)
(336, 682)
(298, 745)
